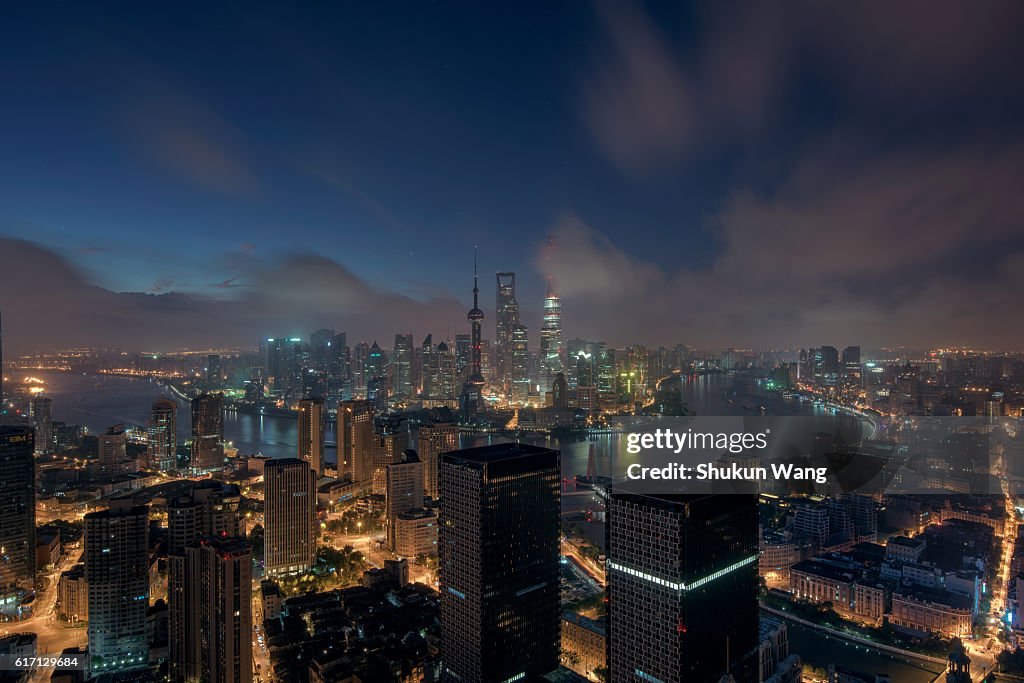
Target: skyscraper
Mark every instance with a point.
(214, 610)
(42, 421)
(431, 441)
(214, 373)
(473, 388)
(390, 439)
(520, 371)
(284, 364)
(506, 315)
(17, 512)
(403, 490)
(113, 450)
(682, 587)
(551, 350)
(311, 433)
(355, 436)
(499, 563)
(401, 366)
(211, 509)
(162, 435)
(207, 432)
(851, 366)
(374, 365)
(289, 503)
(117, 573)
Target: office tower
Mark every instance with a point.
(439, 373)
(212, 617)
(851, 366)
(805, 366)
(284, 364)
(403, 490)
(374, 365)
(339, 368)
(560, 392)
(682, 587)
(431, 441)
(311, 433)
(360, 354)
(1, 363)
(506, 316)
(42, 421)
(401, 366)
(207, 432)
(551, 349)
(390, 439)
(519, 389)
(117, 573)
(463, 356)
(499, 563)
(355, 436)
(289, 504)
(425, 368)
(214, 373)
(473, 388)
(17, 511)
(826, 366)
(211, 508)
(113, 450)
(162, 435)
(320, 348)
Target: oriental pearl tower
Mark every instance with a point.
(473, 389)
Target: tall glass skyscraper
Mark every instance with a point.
(682, 587)
(506, 318)
(551, 345)
(311, 433)
(207, 432)
(499, 563)
(162, 435)
(17, 515)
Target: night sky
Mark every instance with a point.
(714, 174)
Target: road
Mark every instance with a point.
(53, 635)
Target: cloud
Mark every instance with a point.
(161, 284)
(637, 102)
(289, 295)
(905, 248)
(653, 103)
(184, 135)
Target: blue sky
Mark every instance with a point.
(173, 148)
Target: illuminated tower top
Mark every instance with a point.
(551, 329)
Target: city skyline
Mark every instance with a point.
(544, 342)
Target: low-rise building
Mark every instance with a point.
(73, 595)
(272, 600)
(416, 533)
(924, 611)
(904, 549)
(583, 644)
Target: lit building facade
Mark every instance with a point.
(289, 503)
